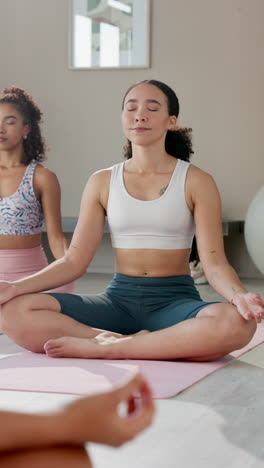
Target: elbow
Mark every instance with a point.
(215, 265)
(80, 272)
(74, 267)
(215, 272)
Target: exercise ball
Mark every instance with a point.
(254, 230)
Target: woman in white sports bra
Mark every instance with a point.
(29, 192)
(154, 202)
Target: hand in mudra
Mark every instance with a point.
(96, 418)
(250, 306)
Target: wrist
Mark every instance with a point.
(7, 291)
(57, 429)
(18, 287)
(236, 295)
(52, 429)
(67, 427)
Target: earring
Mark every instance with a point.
(25, 137)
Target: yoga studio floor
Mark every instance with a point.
(218, 422)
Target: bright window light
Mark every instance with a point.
(109, 45)
(120, 6)
(82, 41)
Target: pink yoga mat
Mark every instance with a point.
(38, 373)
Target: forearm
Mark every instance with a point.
(25, 431)
(224, 279)
(60, 272)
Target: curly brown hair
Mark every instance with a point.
(34, 145)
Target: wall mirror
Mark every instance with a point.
(109, 34)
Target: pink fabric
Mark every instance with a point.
(38, 373)
(18, 263)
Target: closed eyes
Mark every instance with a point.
(151, 110)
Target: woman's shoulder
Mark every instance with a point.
(103, 175)
(196, 174)
(199, 180)
(98, 185)
(44, 176)
(44, 172)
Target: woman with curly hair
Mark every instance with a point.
(155, 200)
(29, 192)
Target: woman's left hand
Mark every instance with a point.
(250, 306)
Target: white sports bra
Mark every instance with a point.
(165, 223)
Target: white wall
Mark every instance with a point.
(209, 51)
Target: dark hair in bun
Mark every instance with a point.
(178, 142)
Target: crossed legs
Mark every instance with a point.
(216, 331)
(34, 321)
(31, 320)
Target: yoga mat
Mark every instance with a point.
(37, 373)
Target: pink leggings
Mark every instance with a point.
(18, 263)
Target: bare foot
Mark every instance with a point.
(93, 348)
(69, 346)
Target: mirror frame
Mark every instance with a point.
(126, 67)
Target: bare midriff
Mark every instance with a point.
(152, 263)
(19, 242)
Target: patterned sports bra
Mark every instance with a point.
(21, 214)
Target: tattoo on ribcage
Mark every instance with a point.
(163, 190)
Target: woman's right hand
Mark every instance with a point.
(7, 291)
(97, 419)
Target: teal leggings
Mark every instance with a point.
(130, 304)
